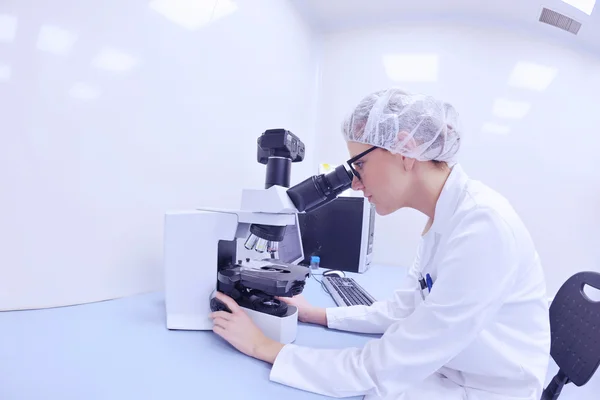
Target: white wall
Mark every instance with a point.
(85, 181)
(546, 165)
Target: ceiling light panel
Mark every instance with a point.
(190, 14)
(586, 6)
(509, 109)
(8, 27)
(114, 60)
(526, 75)
(411, 67)
(55, 40)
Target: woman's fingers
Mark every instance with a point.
(221, 314)
(219, 330)
(229, 302)
(221, 323)
(284, 299)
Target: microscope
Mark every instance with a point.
(251, 254)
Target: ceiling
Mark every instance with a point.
(328, 16)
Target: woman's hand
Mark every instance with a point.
(239, 330)
(306, 311)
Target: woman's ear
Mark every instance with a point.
(408, 163)
(406, 142)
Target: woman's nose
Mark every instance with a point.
(357, 184)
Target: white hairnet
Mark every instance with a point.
(414, 125)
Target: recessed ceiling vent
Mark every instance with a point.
(560, 21)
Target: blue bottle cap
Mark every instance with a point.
(315, 259)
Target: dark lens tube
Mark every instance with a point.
(340, 179)
(319, 190)
(306, 193)
(279, 170)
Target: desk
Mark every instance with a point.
(121, 350)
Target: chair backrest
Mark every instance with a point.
(575, 327)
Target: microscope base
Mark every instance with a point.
(281, 329)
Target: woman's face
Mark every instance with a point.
(386, 178)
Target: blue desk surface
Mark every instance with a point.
(121, 350)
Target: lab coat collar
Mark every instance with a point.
(449, 197)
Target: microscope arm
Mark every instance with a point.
(306, 196)
(274, 200)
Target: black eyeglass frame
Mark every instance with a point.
(358, 157)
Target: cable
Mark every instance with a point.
(321, 282)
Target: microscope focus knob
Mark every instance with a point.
(218, 305)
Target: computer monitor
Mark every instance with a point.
(341, 233)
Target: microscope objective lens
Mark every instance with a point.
(251, 241)
(261, 246)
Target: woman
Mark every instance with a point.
(480, 327)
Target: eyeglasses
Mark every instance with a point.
(358, 157)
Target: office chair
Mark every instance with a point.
(575, 331)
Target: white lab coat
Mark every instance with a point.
(481, 333)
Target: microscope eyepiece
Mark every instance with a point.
(319, 190)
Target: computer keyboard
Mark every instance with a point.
(346, 292)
